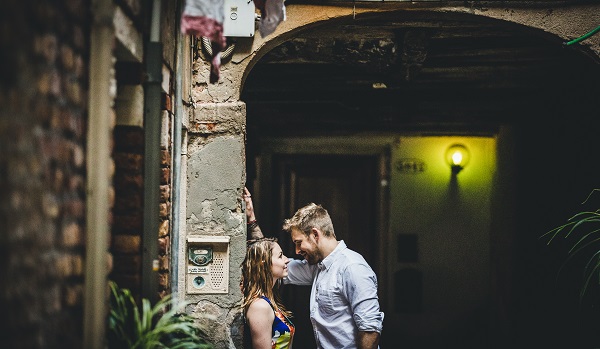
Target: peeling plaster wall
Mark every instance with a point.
(215, 179)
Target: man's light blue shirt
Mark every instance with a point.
(343, 298)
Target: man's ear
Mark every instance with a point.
(316, 233)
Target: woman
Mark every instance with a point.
(267, 321)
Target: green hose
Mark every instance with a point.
(583, 37)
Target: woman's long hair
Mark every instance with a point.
(257, 274)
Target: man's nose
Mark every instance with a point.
(297, 250)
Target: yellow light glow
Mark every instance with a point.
(457, 157)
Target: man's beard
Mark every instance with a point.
(313, 257)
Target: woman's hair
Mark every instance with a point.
(308, 217)
(257, 274)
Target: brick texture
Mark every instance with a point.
(43, 111)
(44, 72)
(128, 210)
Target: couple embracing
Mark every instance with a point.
(344, 307)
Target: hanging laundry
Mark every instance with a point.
(205, 18)
(272, 12)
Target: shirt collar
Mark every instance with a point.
(328, 261)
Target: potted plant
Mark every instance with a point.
(161, 326)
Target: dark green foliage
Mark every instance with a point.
(583, 233)
(161, 326)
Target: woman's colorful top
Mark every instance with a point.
(283, 330)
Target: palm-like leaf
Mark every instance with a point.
(584, 229)
(161, 326)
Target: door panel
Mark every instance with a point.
(345, 186)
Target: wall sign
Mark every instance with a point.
(410, 166)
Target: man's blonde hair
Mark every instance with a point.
(308, 217)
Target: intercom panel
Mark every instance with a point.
(207, 264)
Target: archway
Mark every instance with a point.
(437, 74)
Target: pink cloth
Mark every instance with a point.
(203, 26)
(205, 18)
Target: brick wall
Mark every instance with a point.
(43, 95)
(44, 49)
(164, 232)
(128, 208)
(128, 211)
(169, 31)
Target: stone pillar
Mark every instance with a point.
(215, 180)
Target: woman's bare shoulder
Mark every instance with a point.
(260, 309)
(260, 304)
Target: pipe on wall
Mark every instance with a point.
(152, 129)
(176, 173)
(98, 178)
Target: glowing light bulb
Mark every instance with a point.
(457, 157)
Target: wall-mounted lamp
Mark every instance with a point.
(457, 156)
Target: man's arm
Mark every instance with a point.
(368, 340)
(360, 288)
(254, 231)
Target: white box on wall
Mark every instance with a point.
(240, 18)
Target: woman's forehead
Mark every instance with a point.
(276, 248)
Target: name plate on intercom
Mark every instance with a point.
(197, 270)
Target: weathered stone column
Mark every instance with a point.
(215, 180)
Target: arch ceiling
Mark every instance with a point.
(413, 71)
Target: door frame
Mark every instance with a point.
(376, 146)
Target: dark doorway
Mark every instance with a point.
(346, 186)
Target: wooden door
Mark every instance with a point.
(345, 185)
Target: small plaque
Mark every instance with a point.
(411, 166)
(197, 270)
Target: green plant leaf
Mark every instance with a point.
(589, 277)
(582, 229)
(163, 325)
(583, 238)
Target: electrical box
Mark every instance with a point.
(207, 264)
(240, 18)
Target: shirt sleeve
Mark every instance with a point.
(300, 272)
(360, 286)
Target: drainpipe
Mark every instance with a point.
(175, 198)
(98, 178)
(152, 128)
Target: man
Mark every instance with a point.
(344, 307)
